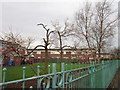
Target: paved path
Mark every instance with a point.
(116, 80)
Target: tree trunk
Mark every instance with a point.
(61, 57)
(99, 51)
(46, 61)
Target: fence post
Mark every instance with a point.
(4, 76)
(94, 85)
(102, 67)
(66, 67)
(31, 87)
(54, 77)
(48, 69)
(38, 73)
(38, 70)
(92, 73)
(118, 63)
(62, 70)
(23, 85)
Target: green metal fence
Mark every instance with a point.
(95, 75)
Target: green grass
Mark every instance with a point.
(15, 73)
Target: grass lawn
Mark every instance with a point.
(15, 73)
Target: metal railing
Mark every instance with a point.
(95, 75)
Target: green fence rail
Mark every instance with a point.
(95, 75)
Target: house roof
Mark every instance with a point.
(104, 54)
(63, 49)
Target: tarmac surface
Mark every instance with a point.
(116, 81)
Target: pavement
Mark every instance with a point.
(115, 83)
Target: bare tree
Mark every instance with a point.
(104, 25)
(116, 53)
(46, 44)
(29, 41)
(17, 39)
(84, 21)
(16, 42)
(95, 26)
(62, 33)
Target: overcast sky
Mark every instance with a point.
(22, 16)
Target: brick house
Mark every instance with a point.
(11, 52)
(82, 55)
(105, 56)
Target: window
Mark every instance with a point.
(73, 52)
(82, 52)
(66, 57)
(38, 57)
(54, 52)
(90, 58)
(64, 52)
(38, 52)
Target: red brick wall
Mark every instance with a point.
(6, 60)
(79, 56)
(30, 61)
(17, 61)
